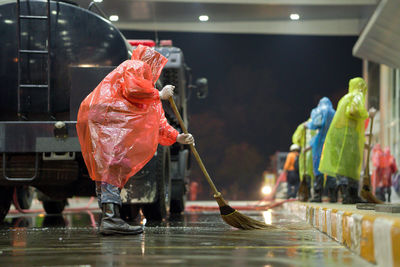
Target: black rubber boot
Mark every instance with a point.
(332, 192)
(380, 193)
(317, 196)
(350, 195)
(111, 222)
(344, 190)
(354, 198)
(318, 186)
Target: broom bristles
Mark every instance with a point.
(369, 197)
(238, 220)
(303, 190)
(366, 191)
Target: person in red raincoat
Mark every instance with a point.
(120, 124)
(384, 171)
(376, 156)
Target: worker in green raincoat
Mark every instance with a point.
(342, 155)
(302, 137)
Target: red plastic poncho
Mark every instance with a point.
(386, 168)
(376, 158)
(121, 122)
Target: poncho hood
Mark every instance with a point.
(358, 85)
(325, 103)
(153, 59)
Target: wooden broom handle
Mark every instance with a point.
(369, 145)
(192, 148)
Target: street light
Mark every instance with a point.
(203, 18)
(114, 18)
(294, 16)
(266, 190)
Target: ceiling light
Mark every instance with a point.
(114, 18)
(203, 18)
(294, 16)
(98, 1)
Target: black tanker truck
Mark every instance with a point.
(52, 55)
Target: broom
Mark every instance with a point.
(229, 214)
(304, 192)
(366, 188)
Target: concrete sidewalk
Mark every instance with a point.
(375, 236)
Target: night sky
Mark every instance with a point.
(260, 88)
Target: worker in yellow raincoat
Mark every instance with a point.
(302, 137)
(342, 155)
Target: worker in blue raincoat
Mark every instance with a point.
(303, 137)
(321, 118)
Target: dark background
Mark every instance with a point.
(260, 88)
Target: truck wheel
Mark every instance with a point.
(54, 206)
(178, 195)
(178, 204)
(5, 201)
(25, 197)
(158, 210)
(129, 212)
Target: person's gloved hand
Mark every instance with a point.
(372, 112)
(167, 92)
(185, 139)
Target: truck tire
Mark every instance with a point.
(178, 189)
(5, 201)
(25, 197)
(178, 204)
(54, 206)
(129, 212)
(158, 210)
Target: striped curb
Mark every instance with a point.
(373, 236)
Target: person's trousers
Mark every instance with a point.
(349, 189)
(292, 190)
(331, 182)
(107, 193)
(381, 192)
(347, 181)
(293, 183)
(318, 183)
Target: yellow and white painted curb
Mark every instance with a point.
(373, 236)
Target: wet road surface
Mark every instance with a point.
(193, 239)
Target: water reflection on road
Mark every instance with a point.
(195, 238)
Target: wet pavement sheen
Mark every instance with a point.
(193, 239)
